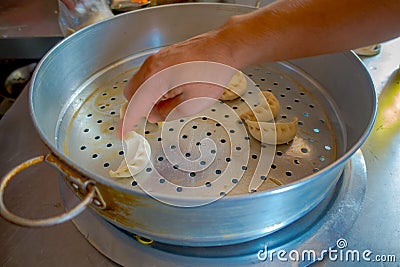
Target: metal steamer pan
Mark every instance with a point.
(121, 43)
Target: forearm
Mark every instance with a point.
(290, 29)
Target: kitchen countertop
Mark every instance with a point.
(28, 28)
(36, 191)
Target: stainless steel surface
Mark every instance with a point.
(19, 76)
(22, 221)
(316, 231)
(376, 228)
(308, 88)
(28, 28)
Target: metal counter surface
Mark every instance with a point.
(35, 191)
(28, 28)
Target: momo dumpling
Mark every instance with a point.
(264, 131)
(137, 155)
(236, 87)
(266, 111)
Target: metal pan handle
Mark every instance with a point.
(91, 192)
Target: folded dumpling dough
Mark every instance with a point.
(236, 87)
(266, 111)
(264, 131)
(137, 155)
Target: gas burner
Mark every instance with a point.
(317, 231)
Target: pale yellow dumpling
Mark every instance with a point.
(236, 87)
(273, 133)
(266, 111)
(137, 156)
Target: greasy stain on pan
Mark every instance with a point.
(87, 131)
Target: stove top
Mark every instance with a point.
(374, 231)
(305, 241)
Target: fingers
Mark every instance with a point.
(70, 4)
(194, 98)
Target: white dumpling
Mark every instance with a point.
(137, 156)
(236, 87)
(267, 110)
(285, 131)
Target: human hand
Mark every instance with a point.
(157, 103)
(70, 4)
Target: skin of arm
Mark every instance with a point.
(283, 30)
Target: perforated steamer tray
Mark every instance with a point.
(87, 132)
